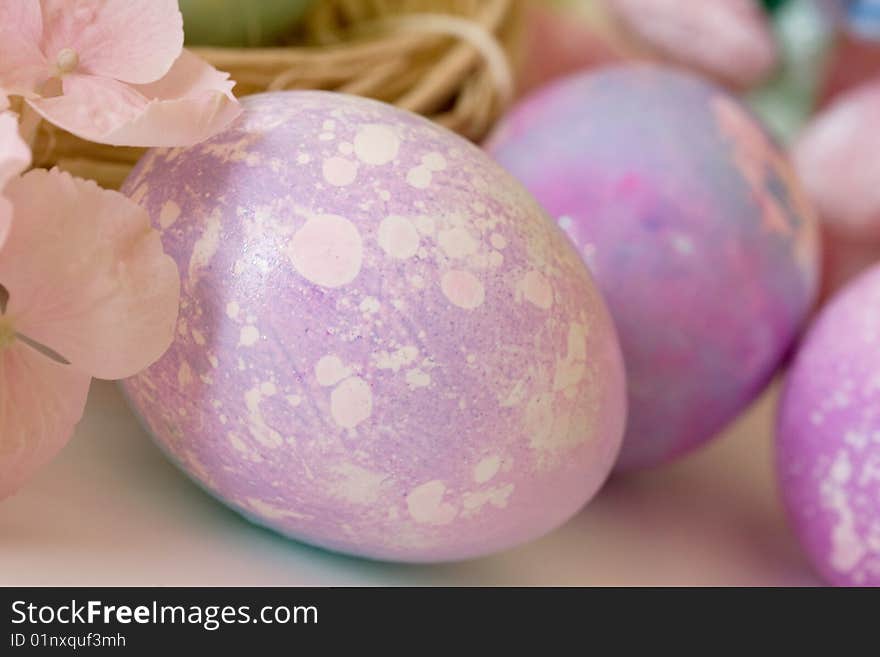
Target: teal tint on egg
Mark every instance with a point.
(238, 23)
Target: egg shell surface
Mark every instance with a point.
(828, 438)
(694, 227)
(385, 347)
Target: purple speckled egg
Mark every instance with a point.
(828, 438)
(696, 232)
(385, 347)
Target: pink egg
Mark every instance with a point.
(695, 228)
(385, 347)
(828, 445)
(837, 160)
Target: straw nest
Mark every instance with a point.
(450, 60)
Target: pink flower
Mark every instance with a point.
(14, 158)
(112, 71)
(88, 293)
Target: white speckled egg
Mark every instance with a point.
(384, 348)
(828, 444)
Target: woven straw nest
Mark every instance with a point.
(450, 60)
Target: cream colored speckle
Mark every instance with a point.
(457, 243)
(463, 289)
(303, 158)
(198, 337)
(426, 506)
(497, 497)
(351, 402)
(398, 237)
(206, 246)
(267, 388)
(232, 309)
(847, 547)
(240, 446)
(330, 370)
(327, 251)
(496, 259)
(168, 214)
(397, 359)
(184, 375)
(376, 144)
(339, 171)
(571, 368)
(425, 224)
(434, 161)
(486, 469)
(248, 336)
(536, 289)
(417, 379)
(498, 241)
(419, 177)
(357, 485)
(369, 305)
(261, 432)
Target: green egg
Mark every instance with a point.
(237, 23)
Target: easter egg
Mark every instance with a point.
(238, 23)
(828, 438)
(836, 158)
(385, 347)
(695, 230)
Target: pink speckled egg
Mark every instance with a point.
(695, 229)
(828, 442)
(385, 347)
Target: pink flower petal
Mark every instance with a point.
(14, 158)
(837, 159)
(190, 104)
(728, 39)
(22, 65)
(133, 41)
(87, 276)
(40, 403)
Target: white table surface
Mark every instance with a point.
(111, 511)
